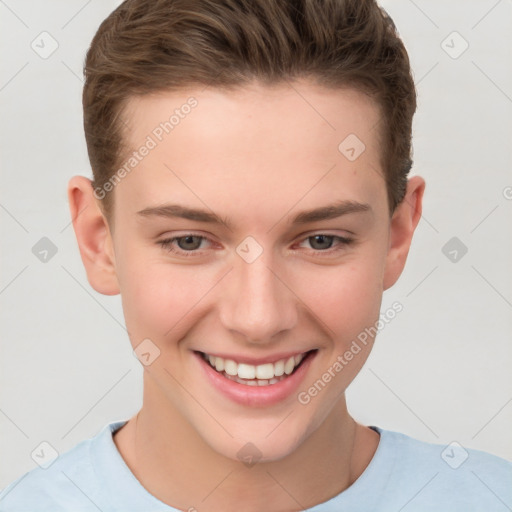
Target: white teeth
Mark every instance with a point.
(289, 365)
(230, 367)
(279, 368)
(265, 371)
(219, 364)
(261, 375)
(254, 382)
(246, 371)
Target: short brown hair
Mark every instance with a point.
(147, 46)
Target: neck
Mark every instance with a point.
(176, 466)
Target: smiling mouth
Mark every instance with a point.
(257, 375)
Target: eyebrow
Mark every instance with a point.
(331, 211)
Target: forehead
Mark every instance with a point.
(253, 147)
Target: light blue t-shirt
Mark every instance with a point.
(404, 475)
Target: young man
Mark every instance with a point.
(250, 203)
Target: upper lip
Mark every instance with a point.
(271, 358)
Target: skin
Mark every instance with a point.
(257, 156)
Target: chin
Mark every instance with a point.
(250, 445)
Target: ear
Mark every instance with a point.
(93, 236)
(403, 223)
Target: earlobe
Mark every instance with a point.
(93, 236)
(403, 223)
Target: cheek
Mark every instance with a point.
(160, 299)
(346, 297)
(346, 300)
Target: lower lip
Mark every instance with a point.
(257, 396)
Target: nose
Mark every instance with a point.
(257, 303)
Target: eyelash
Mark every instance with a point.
(167, 244)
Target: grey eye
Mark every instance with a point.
(321, 242)
(189, 243)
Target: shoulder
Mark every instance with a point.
(68, 483)
(53, 488)
(458, 477)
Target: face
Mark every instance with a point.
(246, 234)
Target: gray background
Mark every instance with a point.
(440, 371)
